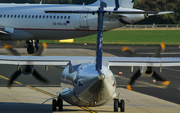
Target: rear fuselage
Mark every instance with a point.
(83, 87)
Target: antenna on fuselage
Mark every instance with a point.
(100, 36)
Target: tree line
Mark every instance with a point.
(147, 5)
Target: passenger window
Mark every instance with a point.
(40, 16)
(64, 17)
(47, 17)
(25, 16)
(36, 16)
(29, 16)
(61, 17)
(4, 16)
(32, 16)
(54, 17)
(14, 16)
(57, 17)
(69, 17)
(43, 16)
(50, 17)
(0, 16)
(11, 16)
(7, 16)
(22, 16)
(18, 16)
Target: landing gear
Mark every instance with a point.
(31, 49)
(32, 46)
(54, 105)
(58, 103)
(118, 104)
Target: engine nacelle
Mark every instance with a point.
(146, 71)
(27, 70)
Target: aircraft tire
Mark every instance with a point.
(116, 105)
(122, 106)
(31, 49)
(60, 104)
(54, 104)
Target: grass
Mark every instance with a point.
(134, 37)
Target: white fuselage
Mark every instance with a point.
(30, 22)
(82, 87)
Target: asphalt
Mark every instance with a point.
(144, 86)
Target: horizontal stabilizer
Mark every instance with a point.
(162, 13)
(116, 3)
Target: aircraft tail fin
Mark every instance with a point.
(116, 3)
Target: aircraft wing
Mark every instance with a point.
(143, 61)
(109, 61)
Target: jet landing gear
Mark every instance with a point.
(118, 104)
(58, 103)
(32, 46)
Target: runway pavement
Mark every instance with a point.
(146, 96)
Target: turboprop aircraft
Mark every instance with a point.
(87, 81)
(25, 24)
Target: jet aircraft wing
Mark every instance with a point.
(112, 61)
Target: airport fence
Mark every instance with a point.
(152, 26)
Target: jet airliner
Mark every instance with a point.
(25, 24)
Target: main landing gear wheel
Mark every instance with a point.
(54, 105)
(118, 104)
(122, 106)
(31, 49)
(58, 103)
(32, 46)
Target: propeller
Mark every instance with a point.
(146, 71)
(12, 50)
(27, 69)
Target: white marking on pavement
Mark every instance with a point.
(171, 69)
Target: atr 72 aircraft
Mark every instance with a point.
(88, 81)
(25, 24)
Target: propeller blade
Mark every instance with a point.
(161, 49)
(14, 77)
(159, 78)
(41, 49)
(39, 77)
(130, 50)
(133, 79)
(11, 50)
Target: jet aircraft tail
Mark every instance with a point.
(116, 3)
